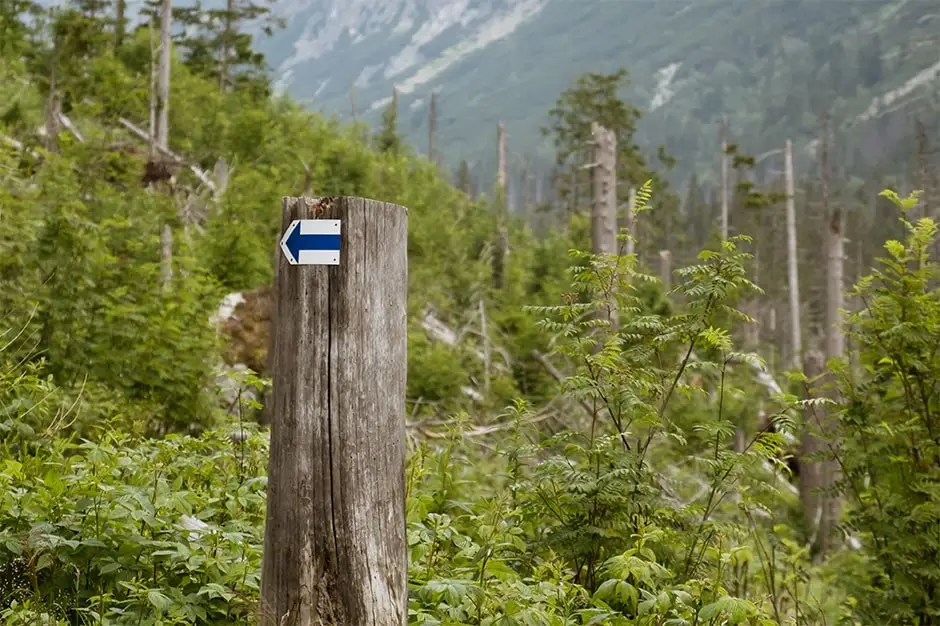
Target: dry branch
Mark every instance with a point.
(201, 175)
(65, 121)
(18, 145)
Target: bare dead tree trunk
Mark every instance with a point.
(796, 342)
(501, 156)
(526, 188)
(604, 206)
(724, 178)
(811, 471)
(166, 256)
(486, 347)
(835, 340)
(225, 73)
(857, 302)
(154, 71)
(665, 268)
(927, 178)
(163, 86)
(772, 328)
(120, 22)
(52, 103)
(160, 128)
(352, 100)
(432, 126)
(631, 222)
(500, 259)
(603, 168)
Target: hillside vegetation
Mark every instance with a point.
(630, 472)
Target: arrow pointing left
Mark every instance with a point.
(312, 242)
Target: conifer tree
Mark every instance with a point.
(215, 44)
(15, 29)
(595, 98)
(388, 139)
(464, 180)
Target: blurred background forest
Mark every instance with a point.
(751, 437)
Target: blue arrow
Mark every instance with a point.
(317, 241)
(297, 242)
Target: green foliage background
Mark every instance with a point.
(614, 496)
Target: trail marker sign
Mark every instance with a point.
(338, 561)
(312, 242)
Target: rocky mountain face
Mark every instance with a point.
(772, 66)
(372, 44)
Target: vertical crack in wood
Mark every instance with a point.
(330, 421)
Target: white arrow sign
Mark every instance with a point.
(312, 242)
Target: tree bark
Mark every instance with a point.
(604, 179)
(604, 204)
(335, 538)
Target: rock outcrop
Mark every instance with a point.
(244, 321)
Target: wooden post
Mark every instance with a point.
(335, 549)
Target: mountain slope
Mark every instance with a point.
(771, 65)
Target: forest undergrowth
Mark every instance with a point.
(638, 511)
(615, 457)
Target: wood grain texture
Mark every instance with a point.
(335, 549)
